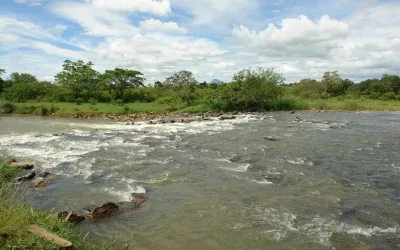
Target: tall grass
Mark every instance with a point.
(16, 215)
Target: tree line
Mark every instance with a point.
(249, 89)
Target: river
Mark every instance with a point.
(332, 182)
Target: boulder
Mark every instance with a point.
(26, 177)
(272, 138)
(22, 164)
(106, 210)
(225, 117)
(44, 174)
(38, 183)
(11, 160)
(70, 217)
(298, 119)
(292, 112)
(138, 200)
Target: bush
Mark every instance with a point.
(53, 109)
(388, 96)
(352, 105)
(126, 109)
(6, 107)
(92, 101)
(44, 110)
(321, 104)
(119, 102)
(79, 101)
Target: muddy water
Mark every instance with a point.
(331, 183)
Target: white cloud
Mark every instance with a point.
(157, 25)
(223, 65)
(30, 2)
(217, 13)
(161, 8)
(286, 69)
(96, 22)
(297, 36)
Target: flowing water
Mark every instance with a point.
(331, 183)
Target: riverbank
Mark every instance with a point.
(17, 215)
(149, 111)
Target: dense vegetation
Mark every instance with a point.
(16, 214)
(250, 90)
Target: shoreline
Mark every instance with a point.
(183, 117)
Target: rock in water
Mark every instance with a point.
(23, 165)
(272, 138)
(138, 200)
(106, 210)
(70, 217)
(26, 177)
(44, 174)
(38, 183)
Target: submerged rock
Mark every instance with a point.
(44, 174)
(298, 119)
(22, 164)
(26, 177)
(106, 210)
(272, 138)
(138, 200)
(70, 217)
(225, 117)
(38, 183)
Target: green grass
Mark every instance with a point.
(201, 108)
(16, 215)
(355, 104)
(65, 109)
(290, 103)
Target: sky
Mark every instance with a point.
(212, 38)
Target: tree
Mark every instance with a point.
(184, 84)
(22, 78)
(308, 88)
(181, 78)
(2, 71)
(332, 83)
(252, 88)
(78, 76)
(120, 80)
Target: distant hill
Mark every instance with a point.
(216, 81)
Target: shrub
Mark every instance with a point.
(44, 110)
(321, 104)
(92, 101)
(119, 102)
(53, 109)
(126, 109)
(352, 105)
(6, 107)
(79, 101)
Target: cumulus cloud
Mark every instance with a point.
(30, 2)
(157, 25)
(297, 36)
(95, 22)
(161, 8)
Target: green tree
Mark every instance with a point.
(332, 83)
(78, 76)
(119, 80)
(181, 78)
(22, 78)
(308, 88)
(2, 71)
(251, 89)
(184, 83)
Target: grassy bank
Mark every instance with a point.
(98, 109)
(16, 215)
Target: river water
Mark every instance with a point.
(332, 182)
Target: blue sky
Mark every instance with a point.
(212, 38)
